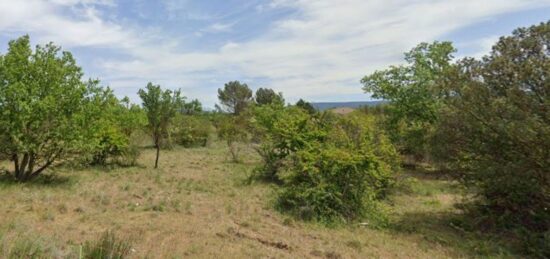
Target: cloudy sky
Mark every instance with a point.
(312, 49)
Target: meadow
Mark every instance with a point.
(199, 204)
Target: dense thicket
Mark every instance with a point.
(495, 130)
(487, 121)
(330, 168)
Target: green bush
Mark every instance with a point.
(330, 168)
(280, 132)
(332, 184)
(233, 130)
(192, 131)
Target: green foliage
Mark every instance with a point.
(41, 107)
(280, 132)
(111, 125)
(235, 97)
(413, 92)
(108, 246)
(233, 130)
(268, 96)
(495, 131)
(191, 108)
(332, 184)
(192, 131)
(306, 106)
(330, 168)
(161, 108)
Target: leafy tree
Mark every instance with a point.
(306, 106)
(161, 108)
(235, 97)
(191, 108)
(495, 130)
(41, 106)
(413, 92)
(268, 96)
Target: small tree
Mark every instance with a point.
(161, 108)
(233, 130)
(306, 106)
(41, 103)
(192, 107)
(235, 97)
(268, 96)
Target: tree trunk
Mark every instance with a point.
(157, 146)
(24, 168)
(158, 153)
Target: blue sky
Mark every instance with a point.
(312, 49)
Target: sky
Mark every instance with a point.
(313, 49)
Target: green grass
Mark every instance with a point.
(199, 204)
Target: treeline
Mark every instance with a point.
(485, 122)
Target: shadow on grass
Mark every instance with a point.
(444, 229)
(44, 180)
(426, 173)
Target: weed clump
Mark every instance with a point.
(107, 246)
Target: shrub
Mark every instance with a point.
(332, 184)
(330, 168)
(129, 155)
(233, 130)
(280, 132)
(192, 131)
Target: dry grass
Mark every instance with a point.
(198, 205)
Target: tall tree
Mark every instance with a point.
(413, 93)
(496, 130)
(161, 108)
(41, 97)
(266, 96)
(235, 97)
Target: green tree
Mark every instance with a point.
(495, 130)
(268, 96)
(41, 106)
(413, 92)
(192, 107)
(235, 97)
(161, 108)
(306, 106)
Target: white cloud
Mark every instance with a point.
(219, 27)
(322, 50)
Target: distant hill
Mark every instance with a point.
(331, 105)
(342, 110)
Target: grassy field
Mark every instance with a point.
(200, 205)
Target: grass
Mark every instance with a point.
(198, 204)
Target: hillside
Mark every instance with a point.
(322, 106)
